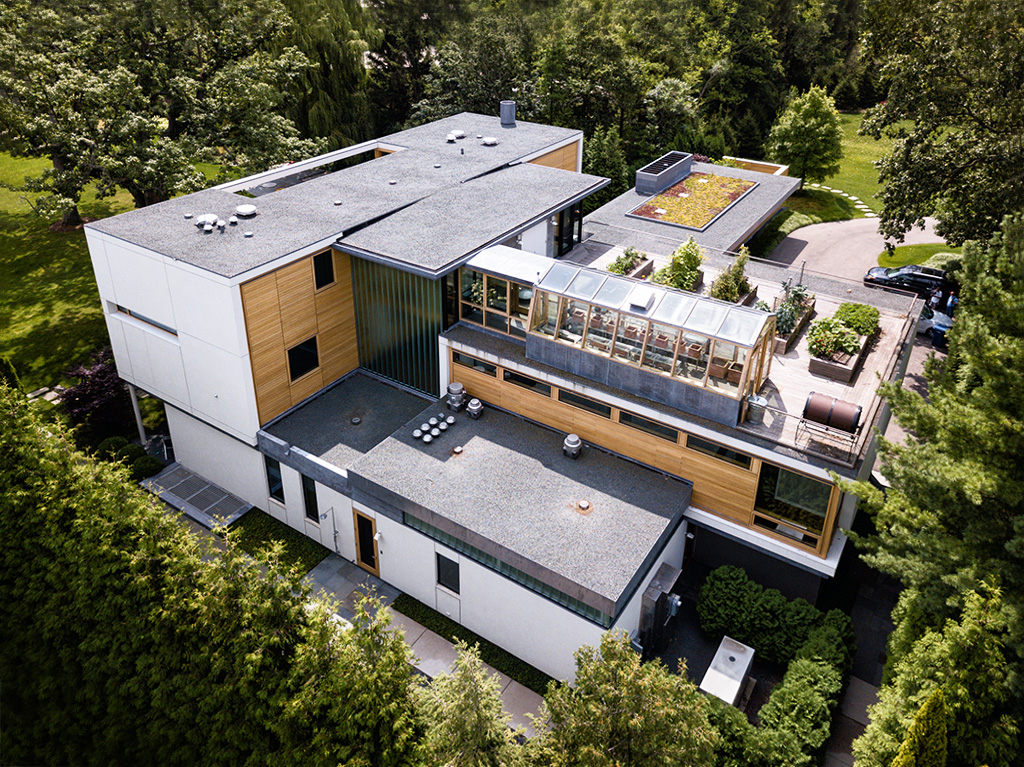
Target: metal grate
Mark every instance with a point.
(188, 487)
(207, 497)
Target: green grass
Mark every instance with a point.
(50, 315)
(491, 654)
(257, 530)
(808, 206)
(913, 254)
(857, 173)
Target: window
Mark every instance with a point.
(526, 382)
(275, 483)
(323, 269)
(303, 358)
(651, 427)
(703, 446)
(793, 498)
(584, 403)
(448, 573)
(309, 499)
(147, 320)
(478, 365)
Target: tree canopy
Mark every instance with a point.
(954, 71)
(808, 137)
(951, 526)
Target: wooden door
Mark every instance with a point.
(366, 543)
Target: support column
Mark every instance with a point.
(138, 413)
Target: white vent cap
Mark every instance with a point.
(245, 211)
(490, 141)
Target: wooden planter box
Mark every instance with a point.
(642, 270)
(783, 345)
(748, 299)
(843, 368)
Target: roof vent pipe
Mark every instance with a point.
(456, 397)
(572, 446)
(508, 114)
(475, 409)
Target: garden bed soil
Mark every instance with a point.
(785, 344)
(642, 271)
(843, 367)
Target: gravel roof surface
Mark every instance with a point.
(512, 485)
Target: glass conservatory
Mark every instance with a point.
(700, 341)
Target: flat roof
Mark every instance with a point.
(299, 216)
(451, 224)
(512, 486)
(323, 426)
(612, 224)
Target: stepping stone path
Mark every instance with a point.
(857, 202)
(45, 393)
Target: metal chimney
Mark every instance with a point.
(508, 114)
(572, 446)
(456, 396)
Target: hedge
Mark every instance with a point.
(777, 628)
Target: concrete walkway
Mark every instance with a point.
(843, 248)
(342, 581)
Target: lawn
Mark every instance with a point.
(50, 316)
(913, 254)
(695, 201)
(857, 173)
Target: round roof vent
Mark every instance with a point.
(490, 141)
(450, 138)
(459, 133)
(206, 218)
(245, 211)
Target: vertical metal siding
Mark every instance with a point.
(398, 320)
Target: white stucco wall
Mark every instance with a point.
(220, 458)
(521, 621)
(203, 370)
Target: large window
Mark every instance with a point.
(448, 573)
(649, 426)
(309, 499)
(494, 302)
(793, 498)
(478, 365)
(718, 451)
(526, 382)
(275, 483)
(584, 403)
(323, 269)
(303, 358)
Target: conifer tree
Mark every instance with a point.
(925, 744)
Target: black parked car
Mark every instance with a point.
(916, 279)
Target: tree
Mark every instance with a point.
(925, 744)
(124, 641)
(954, 71)
(623, 712)
(952, 522)
(466, 724)
(965, 660)
(603, 156)
(808, 137)
(130, 94)
(97, 404)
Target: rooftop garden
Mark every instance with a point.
(695, 201)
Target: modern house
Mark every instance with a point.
(305, 326)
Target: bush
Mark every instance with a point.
(109, 447)
(833, 641)
(732, 282)
(8, 374)
(627, 261)
(801, 705)
(795, 299)
(951, 263)
(829, 336)
(683, 271)
(145, 466)
(725, 601)
(97, 405)
(860, 318)
(129, 453)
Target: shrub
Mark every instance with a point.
(829, 336)
(145, 466)
(683, 270)
(627, 261)
(860, 318)
(129, 453)
(785, 318)
(951, 263)
(795, 299)
(725, 601)
(802, 704)
(97, 405)
(833, 641)
(8, 374)
(732, 282)
(108, 447)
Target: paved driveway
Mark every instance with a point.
(843, 248)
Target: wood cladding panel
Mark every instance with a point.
(283, 308)
(718, 486)
(564, 158)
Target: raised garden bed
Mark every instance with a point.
(642, 270)
(748, 299)
(842, 367)
(785, 344)
(695, 201)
